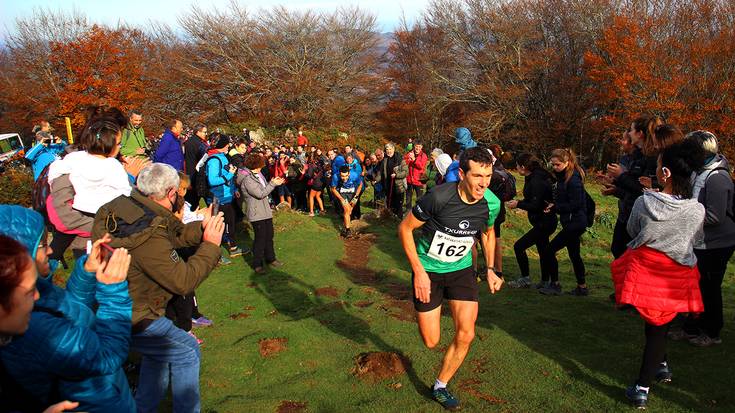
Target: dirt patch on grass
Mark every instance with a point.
(328, 291)
(363, 304)
(269, 347)
(288, 406)
(400, 310)
(469, 386)
(238, 316)
(376, 366)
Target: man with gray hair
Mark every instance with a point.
(145, 224)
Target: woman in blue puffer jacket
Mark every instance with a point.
(71, 352)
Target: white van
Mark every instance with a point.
(10, 144)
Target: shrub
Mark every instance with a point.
(16, 185)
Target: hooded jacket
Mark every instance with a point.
(416, 168)
(667, 224)
(70, 352)
(152, 233)
(713, 188)
(463, 137)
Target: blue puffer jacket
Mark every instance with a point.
(221, 180)
(41, 156)
(68, 351)
(463, 137)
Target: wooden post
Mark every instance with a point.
(69, 136)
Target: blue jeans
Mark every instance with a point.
(167, 349)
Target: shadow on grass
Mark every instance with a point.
(585, 336)
(297, 300)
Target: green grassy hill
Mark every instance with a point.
(290, 340)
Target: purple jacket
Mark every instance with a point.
(170, 151)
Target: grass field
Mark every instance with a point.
(289, 340)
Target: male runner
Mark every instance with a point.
(347, 192)
(451, 216)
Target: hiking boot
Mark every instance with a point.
(275, 263)
(638, 396)
(703, 340)
(523, 282)
(663, 374)
(224, 260)
(201, 322)
(446, 399)
(552, 289)
(259, 270)
(579, 292)
(679, 335)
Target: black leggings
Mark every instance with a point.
(571, 240)
(263, 242)
(653, 354)
(180, 310)
(535, 236)
(229, 211)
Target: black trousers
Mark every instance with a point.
(620, 239)
(263, 243)
(571, 240)
(395, 202)
(539, 237)
(653, 353)
(229, 215)
(712, 264)
(410, 190)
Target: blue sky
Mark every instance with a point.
(138, 12)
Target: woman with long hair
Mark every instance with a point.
(658, 273)
(571, 206)
(315, 182)
(537, 195)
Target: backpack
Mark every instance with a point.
(504, 186)
(590, 204)
(40, 193)
(202, 180)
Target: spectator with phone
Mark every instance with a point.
(78, 338)
(221, 178)
(255, 189)
(145, 224)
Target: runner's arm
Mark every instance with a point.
(405, 234)
(488, 248)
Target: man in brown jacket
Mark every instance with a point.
(145, 224)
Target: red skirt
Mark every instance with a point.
(657, 286)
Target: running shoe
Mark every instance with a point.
(579, 292)
(235, 251)
(523, 282)
(663, 374)
(541, 285)
(201, 322)
(552, 289)
(446, 399)
(703, 340)
(638, 396)
(224, 260)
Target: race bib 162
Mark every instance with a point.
(447, 248)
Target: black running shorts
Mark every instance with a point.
(458, 285)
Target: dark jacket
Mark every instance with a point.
(387, 167)
(169, 151)
(713, 188)
(537, 194)
(194, 149)
(628, 187)
(570, 201)
(152, 233)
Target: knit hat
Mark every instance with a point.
(222, 142)
(442, 163)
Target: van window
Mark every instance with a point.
(10, 144)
